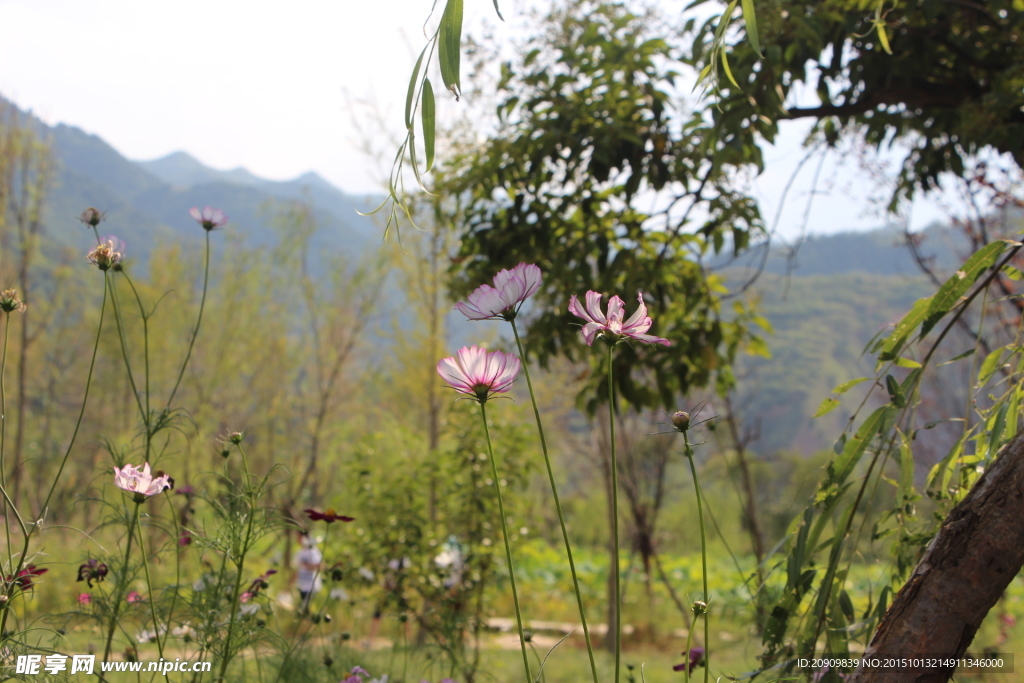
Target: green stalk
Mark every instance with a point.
(124, 583)
(177, 569)
(558, 505)
(152, 595)
(508, 548)
(615, 517)
(703, 559)
(3, 439)
(195, 330)
(240, 564)
(686, 652)
(123, 338)
(145, 344)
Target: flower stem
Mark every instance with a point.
(149, 590)
(199, 320)
(703, 558)
(558, 505)
(177, 568)
(508, 548)
(3, 438)
(240, 566)
(119, 593)
(615, 518)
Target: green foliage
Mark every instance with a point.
(942, 78)
(587, 138)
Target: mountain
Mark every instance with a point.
(148, 202)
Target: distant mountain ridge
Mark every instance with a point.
(147, 202)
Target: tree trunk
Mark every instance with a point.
(967, 566)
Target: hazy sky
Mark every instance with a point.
(263, 85)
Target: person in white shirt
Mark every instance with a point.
(309, 561)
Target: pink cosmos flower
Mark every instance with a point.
(479, 373)
(503, 300)
(141, 482)
(611, 325)
(84, 599)
(209, 218)
(134, 596)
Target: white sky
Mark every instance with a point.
(262, 85)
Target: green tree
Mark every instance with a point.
(943, 79)
(588, 142)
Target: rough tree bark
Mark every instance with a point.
(967, 566)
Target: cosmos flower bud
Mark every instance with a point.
(92, 217)
(681, 420)
(700, 607)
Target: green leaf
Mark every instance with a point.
(906, 487)
(750, 18)
(895, 392)
(906, 363)
(882, 38)
(410, 96)
(904, 327)
(449, 46)
(965, 354)
(1012, 273)
(953, 289)
(427, 111)
(728, 72)
(846, 386)
(989, 366)
(842, 467)
(1018, 5)
(498, 10)
(826, 407)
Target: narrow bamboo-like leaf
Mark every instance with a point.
(826, 407)
(846, 386)
(410, 96)
(750, 18)
(728, 72)
(996, 428)
(906, 363)
(882, 38)
(895, 392)
(427, 111)
(503, 19)
(906, 488)
(1012, 273)
(955, 287)
(903, 328)
(990, 365)
(965, 354)
(449, 45)
(703, 74)
(938, 477)
(843, 466)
